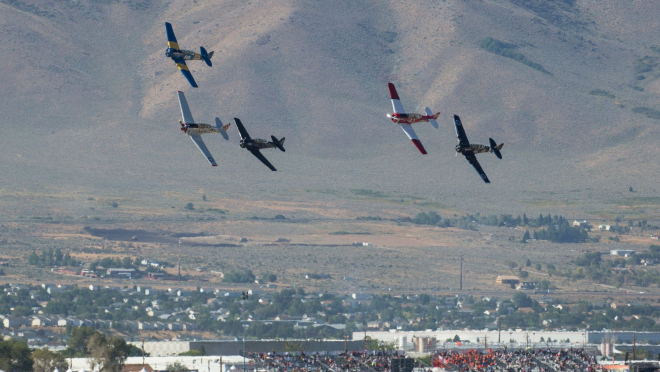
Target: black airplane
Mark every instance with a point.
(469, 151)
(256, 144)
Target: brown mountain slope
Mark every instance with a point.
(88, 96)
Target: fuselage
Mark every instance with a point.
(194, 128)
(408, 118)
(472, 149)
(182, 54)
(256, 143)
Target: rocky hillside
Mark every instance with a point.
(570, 86)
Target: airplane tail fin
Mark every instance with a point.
(206, 56)
(432, 117)
(222, 128)
(495, 148)
(278, 143)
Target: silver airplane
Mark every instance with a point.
(195, 130)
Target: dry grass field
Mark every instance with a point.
(320, 237)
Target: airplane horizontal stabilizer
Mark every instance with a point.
(278, 143)
(222, 128)
(206, 56)
(495, 148)
(432, 121)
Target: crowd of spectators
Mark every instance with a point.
(531, 360)
(378, 361)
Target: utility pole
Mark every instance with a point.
(634, 356)
(485, 341)
(346, 343)
(179, 261)
(460, 286)
(142, 339)
(527, 340)
(244, 297)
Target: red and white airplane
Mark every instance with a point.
(406, 120)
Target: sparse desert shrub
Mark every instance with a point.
(649, 112)
(601, 92)
(645, 64)
(509, 51)
(557, 12)
(365, 192)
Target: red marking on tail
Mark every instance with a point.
(419, 146)
(393, 93)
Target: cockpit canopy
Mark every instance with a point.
(168, 52)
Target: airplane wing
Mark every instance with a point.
(407, 128)
(181, 64)
(472, 159)
(460, 132)
(171, 39)
(263, 159)
(202, 147)
(396, 103)
(241, 129)
(185, 110)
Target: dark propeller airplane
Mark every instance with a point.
(179, 56)
(255, 144)
(469, 151)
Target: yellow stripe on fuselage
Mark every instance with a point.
(182, 66)
(173, 44)
(197, 56)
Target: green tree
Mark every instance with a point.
(176, 367)
(189, 207)
(528, 263)
(46, 360)
(236, 276)
(371, 344)
(192, 352)
(15, 356)
(77, 343)
(526, 237)
(108, 353)
(33, 259)
(127, 263)
(456, 338)
(522, 300)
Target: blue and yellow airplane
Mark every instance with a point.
(179, 56)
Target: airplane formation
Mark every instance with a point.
(400, 117)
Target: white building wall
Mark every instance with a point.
(520, 337)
